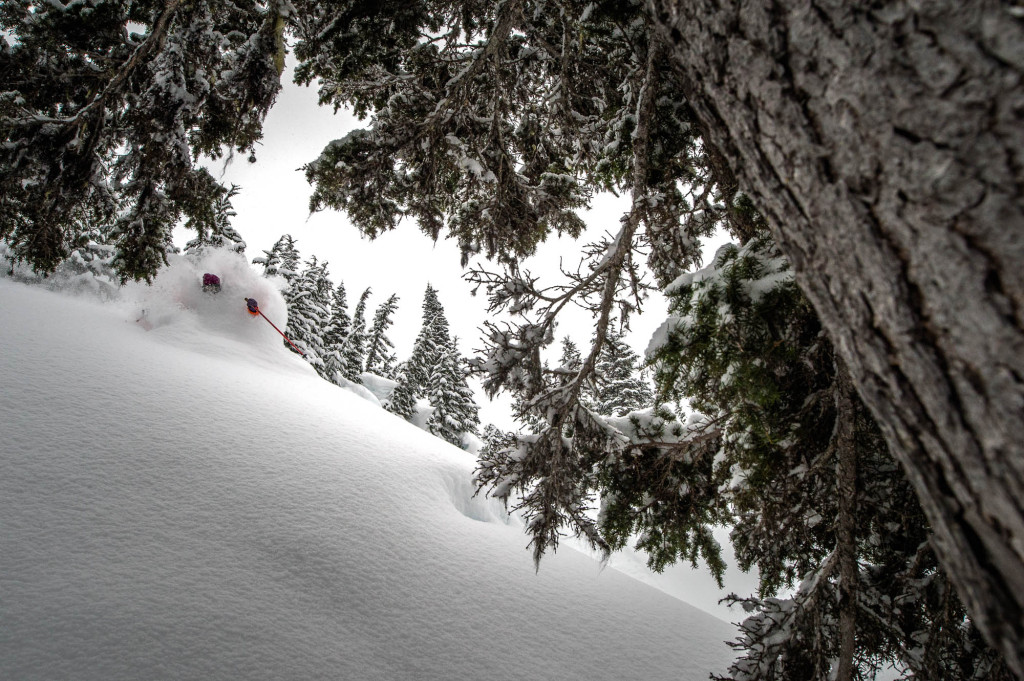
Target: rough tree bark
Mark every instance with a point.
(884, 143)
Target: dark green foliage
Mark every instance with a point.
(213, 226)
(431, 153)
(455, 412)
(354, 348)
(663, 497)
(492, 122)
(335, 335)
(562, 470)
(402, 400)
(745, 348)
(380, 359)
(102, 123)
(89, 267)
(620, 388)
(309, 299)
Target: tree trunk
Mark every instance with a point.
(886, 149)
(845, 443)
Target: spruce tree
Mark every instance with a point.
(288, 265)
(413, 375)
(918, 280)
(281, 260)
(270, 259)
(455, 412)
(429, 345)
(308, 299)
(380, 359)
(89, 267)
(354, 349)
(402, 400)
(94, 258)
(571, 359)
(335, 335)
(620, 387)
(528, 421)
(424, 356)
(213, 229)
(495, 438)
(434, 317)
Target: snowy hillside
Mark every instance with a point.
(192, 502)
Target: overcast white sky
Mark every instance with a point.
(274, 201)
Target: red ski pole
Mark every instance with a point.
(254, 309)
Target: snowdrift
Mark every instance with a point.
(193, 502)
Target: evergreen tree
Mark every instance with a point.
(335, 335)
(288, 267)
(620, 387)
(528, 421)
(380, 359)
(270, 259)
(308, 300)
(93, 258)
(495, 438)
(89, 267)
(571, 359)
(281, 260)
(213, 228)
(915, 290)
(424, 356)
(354, 350)
(570, 363)
(414, 374)
(402, 400)
(434, 318)
(455, 412)
(429, 345)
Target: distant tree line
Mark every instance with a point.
(342, 346)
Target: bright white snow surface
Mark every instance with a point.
(193, 502)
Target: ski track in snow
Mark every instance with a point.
(193, 502)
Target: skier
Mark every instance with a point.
(211, 283)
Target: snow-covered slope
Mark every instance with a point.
(193, 502)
